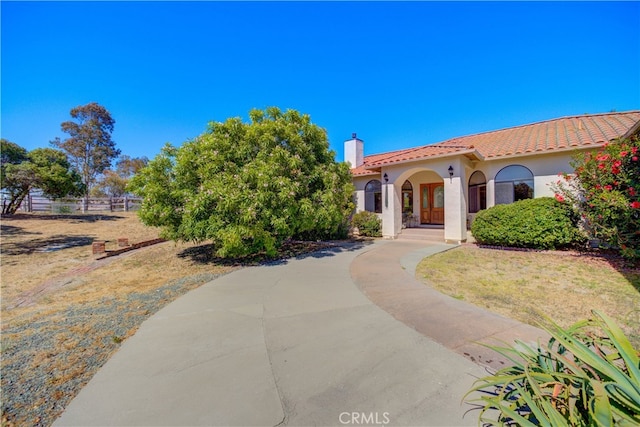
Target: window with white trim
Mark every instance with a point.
(477, 192)
(513, 183)
(373, 196)
(407, 198)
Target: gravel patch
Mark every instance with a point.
(46, 360)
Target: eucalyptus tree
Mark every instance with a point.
(89, 146)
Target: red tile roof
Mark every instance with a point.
(567, 133)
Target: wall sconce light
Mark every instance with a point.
(386, 178)
(450, 173)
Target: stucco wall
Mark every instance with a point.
(360, 183)
(545, 170)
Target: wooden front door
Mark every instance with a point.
(432, 203)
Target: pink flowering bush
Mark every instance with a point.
(605, 189)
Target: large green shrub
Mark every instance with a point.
(542, 223)
(367, 223)
(587, 375)
(248, 187)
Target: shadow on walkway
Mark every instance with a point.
(205, 254)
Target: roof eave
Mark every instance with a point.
(572, 148)
(631, 132)
(471, 154)
(367, 173)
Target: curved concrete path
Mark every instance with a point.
(387, 277)
(292, 343)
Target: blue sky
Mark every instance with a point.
(399, 74)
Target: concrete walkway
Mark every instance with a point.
(293, 343)
(387, 277)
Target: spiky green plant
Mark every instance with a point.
(586, 375)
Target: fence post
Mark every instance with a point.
(29, 203)
(126, 204)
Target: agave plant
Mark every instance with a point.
(586, 375)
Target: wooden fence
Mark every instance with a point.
(36, 203)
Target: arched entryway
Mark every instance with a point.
(420, 193)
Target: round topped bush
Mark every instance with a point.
(367, 223)
(542, 223)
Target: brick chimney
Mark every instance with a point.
(354, 151)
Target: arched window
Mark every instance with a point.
(477, 192)
(407, 198)
(373, 196)
(513, 183)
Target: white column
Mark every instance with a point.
(491, 193)
(389, 205)
(455, 212)
(358, 199)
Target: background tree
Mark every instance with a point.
(127, 166)
(89, 145)
(606, 192)
(45, 169)
(110, 184)
(113, 182)
(11, 153)
(248, 187)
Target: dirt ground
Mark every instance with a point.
(55, 295)
(37, 247)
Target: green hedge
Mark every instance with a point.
(542, 223)
(368, 224)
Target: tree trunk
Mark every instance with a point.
(85, 201)
(14, 203)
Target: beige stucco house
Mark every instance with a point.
(446, 184)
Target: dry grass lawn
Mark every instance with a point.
(37, 249)
(28, 260)
(29, 242)
(530, 286)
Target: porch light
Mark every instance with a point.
(386, 177)
(450, 172)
